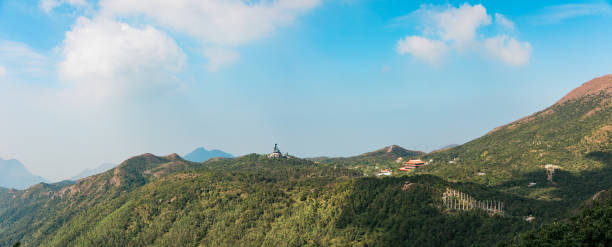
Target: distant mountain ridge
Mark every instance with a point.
(201, 154)
(13, 174)
(93, 171)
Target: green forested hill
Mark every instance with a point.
(574, 135)
(251, 201)
(254, 200)
(592, 227)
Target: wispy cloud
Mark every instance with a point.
(508, 49)
(558, 13)
(504, 22)
(19, 58)
(49, 5)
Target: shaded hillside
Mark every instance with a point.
(592, 227)
(251, 201)
(201, 155)
(574, 135)
(13, 174)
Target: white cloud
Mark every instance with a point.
(218, 57)
(431, 51)
(105, 57)
(447, 28)
(2, 71)
(222, 22)
(219, 25)
(19, 58)
(508, 49)
(49, 5)
(558, 13)
(458, 25)
(504, 22)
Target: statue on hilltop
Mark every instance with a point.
(277, 153)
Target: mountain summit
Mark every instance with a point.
(13, 174)
(201, 154)
(393, 151)
(599, 85)
(593, 95)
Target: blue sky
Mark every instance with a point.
(83, 83)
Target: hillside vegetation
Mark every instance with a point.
(574, 135)
(254, 200)
(248, 201)
(592, 227)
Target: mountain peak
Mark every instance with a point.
(394, 151)
(595, 86)
(173, 156)
(148, 157)
(13, 174)
(200, 154)
(393, 148)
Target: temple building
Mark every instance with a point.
(412, 164)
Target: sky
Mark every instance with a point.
(84, 83)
